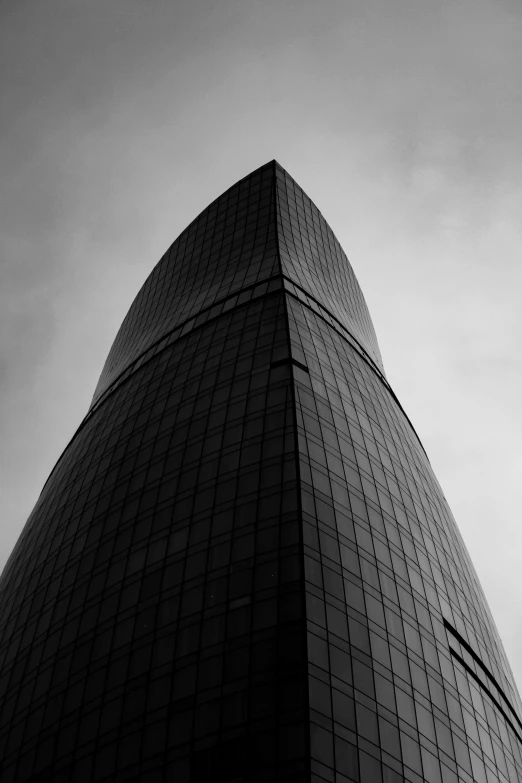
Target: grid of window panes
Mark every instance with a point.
(157, 621)
(229, 246)
(312, 258)
(384, 567)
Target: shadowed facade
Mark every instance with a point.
(242, 567)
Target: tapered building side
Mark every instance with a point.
(242, 567)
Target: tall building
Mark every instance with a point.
(242, 567)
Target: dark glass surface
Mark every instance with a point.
(242, 568)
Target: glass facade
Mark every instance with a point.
(242, 567)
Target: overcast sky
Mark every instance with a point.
(122, 119)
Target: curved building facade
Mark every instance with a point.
(242, 567)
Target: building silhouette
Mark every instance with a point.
(242, 567)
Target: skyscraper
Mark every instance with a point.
(242, 567)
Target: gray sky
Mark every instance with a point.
(122, 119)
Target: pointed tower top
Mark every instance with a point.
(262, 228)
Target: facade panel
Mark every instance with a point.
(242, 567)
